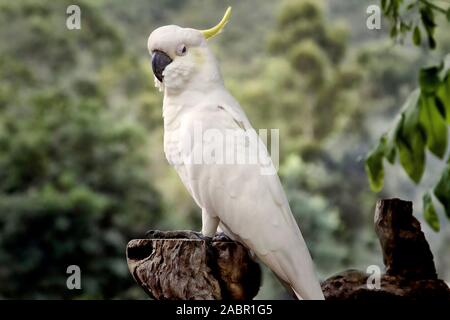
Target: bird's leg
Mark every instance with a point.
(209, 228)
(209, 224)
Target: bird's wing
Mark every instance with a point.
(250, 204)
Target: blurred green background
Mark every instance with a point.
(82, 169)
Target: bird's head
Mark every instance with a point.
(181, 58)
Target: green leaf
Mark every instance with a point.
(443, 93)
(389, 6)
(429, 79)
(412, 156)
(441, 107)
(386, 148)
(442, 190)
(429, 213)
(431, 41)
(394, 31)
(410, 139)
(445, 68)
(404, 27)
(416, 36)
(390, 151)
(374, 166)
(434, 126)
(384, 4)
(427, 15)
(448, 14)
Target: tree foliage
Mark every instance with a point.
(74, 185)
(424, 118)
(82, 168)
(416, 17)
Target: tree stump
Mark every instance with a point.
(410, 271)
(178, 265)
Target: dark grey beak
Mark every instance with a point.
(160, 61)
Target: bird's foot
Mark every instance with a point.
(153, 234)
(177, 234)
(222, 237)
(200, 236)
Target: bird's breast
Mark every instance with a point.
(172, 120)
(171, 149)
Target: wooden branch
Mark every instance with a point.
(406, 252)
(352, 285)
(178, 265)
(410, 271)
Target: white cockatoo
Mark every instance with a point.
(241, 198)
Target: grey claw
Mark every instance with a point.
(155, 234)
(222, 237)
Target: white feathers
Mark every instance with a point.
(178, 73)
(159, 85)
(249, 206)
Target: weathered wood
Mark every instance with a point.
(179, 265)
(405, 250)
(410, 271)
(352, 285)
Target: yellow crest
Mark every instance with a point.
(218, 28)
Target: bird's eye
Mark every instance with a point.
(181, 50)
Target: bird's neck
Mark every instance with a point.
(205, 85)
(196, 92)
(205, 79)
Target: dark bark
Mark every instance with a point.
(410, 271)
(180, 265)
(183, 265)
(352, 285)
(406, 253)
